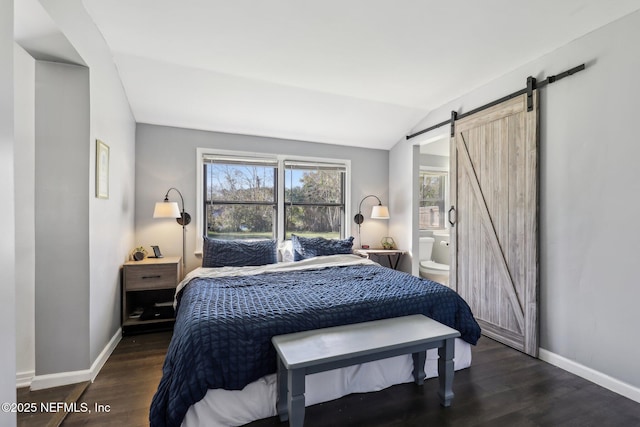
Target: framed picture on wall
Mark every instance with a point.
(102, 170)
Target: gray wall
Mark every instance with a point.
(61, 218)
(589, 232)
(166, 157)
(7, 218)
(434, 161)
(104, 233)
(404, 164)
(25, 86)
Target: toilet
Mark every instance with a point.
(430, 269)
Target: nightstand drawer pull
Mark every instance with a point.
(152, 277)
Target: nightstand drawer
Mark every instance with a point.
(141, 277)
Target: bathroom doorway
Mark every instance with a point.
(432, 182)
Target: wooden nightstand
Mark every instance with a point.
(148, 288)
(389, 253)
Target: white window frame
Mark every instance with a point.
(280, 158)
(446, 191)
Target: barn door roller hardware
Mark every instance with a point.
(454, 116)
(532, 84)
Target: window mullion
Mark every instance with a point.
(280, 211)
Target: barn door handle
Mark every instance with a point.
(452, 218)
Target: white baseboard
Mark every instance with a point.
(40, 382)
(23, 379)
(604, 380)
(105, 353)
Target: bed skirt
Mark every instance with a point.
(258, 399)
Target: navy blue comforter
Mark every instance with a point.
(223, 330)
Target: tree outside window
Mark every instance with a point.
(240, 201)
(241, 198)
(432, 188)
(314, 200)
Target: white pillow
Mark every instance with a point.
(285, 251)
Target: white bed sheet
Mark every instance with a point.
(325, 261)
(258, 400)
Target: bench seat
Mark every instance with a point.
(309, 352)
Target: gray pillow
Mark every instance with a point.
(309, 247)
(238, 253)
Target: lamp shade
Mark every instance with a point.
(380, 212)
(166, 210)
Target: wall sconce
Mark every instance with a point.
(377, 212)
(167, 209)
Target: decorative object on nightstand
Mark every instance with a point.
(167, 209)
(139, 253)
(156, 252)
(388, 243)
(377, 212)
(148, 288)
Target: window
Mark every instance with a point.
(314, 199)
(246, 196)
(240, 197)
(432, 188)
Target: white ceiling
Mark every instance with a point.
(351, 72)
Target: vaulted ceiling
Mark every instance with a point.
(351, 72)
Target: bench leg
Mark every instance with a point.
(418, 367)
(282, 406)
(295, 397)
(445, 372)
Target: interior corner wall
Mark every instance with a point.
(24, 112)
(61, 218)
(404, 165)
(111, 220)
(589, 180)
(166, 157)
(7, 216)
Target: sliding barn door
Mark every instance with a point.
(494, 192)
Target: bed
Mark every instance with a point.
(220, 365)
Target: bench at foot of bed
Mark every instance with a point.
(309, 352)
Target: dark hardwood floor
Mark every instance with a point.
(502, 388)
(52, 417)
(126, 383)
